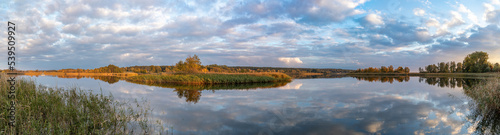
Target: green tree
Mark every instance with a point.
(496, 67)
(432, 68)
(447, 67)
(459, 67)
(442, 67)
(476, 62)
(453, 67)
(488, 69)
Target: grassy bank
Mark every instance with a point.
(211, 78)
(42, 110)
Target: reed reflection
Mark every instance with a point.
(484, 100)
(485, 108)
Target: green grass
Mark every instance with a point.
(43, 110)
(211, 78)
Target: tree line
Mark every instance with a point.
(476, 62)
(192, 64)
(106, 69)
(383, 69)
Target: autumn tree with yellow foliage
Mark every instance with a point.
(190, 65)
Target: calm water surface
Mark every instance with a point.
(304, 106)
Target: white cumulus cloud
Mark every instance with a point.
(374, 19)
(290, 60)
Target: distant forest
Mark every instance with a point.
(192, 64)
(383, 69)
(236, 69)
(476, 62)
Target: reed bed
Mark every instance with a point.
(485, 112)
(486, 94)
(44, 110)
(211, 78)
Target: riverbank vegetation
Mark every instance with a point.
(485, 112)
(191, 72)
(44, 110)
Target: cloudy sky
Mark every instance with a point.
(350, 34)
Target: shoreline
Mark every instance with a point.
(491, 74)
(128, 75)
(77, 74)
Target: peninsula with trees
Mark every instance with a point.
(191, 71)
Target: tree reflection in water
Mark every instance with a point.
(383, 79)
(484, 98)
(108, 79)
(192, 93)
(483, 95)
(192, 96)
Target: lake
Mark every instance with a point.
(348, 105)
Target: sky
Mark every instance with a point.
(347, 34)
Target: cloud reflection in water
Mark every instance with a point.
(307, 106)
